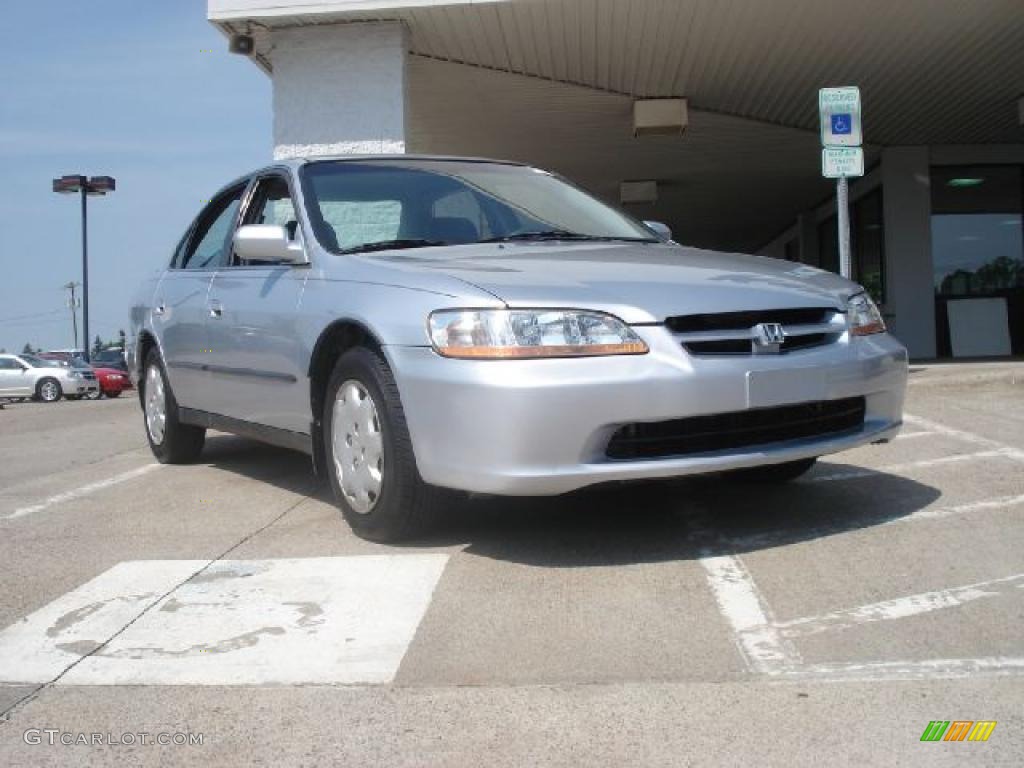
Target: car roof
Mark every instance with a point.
(298, 162)
(294, 163)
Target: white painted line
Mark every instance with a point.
(762, 647)
(1015, 453)
(930, 669)
(937, 513)
(857, 474)
(900, 608)
(326, 620)
(909, 435)
(42, 645)
(84, 490)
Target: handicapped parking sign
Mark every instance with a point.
(842, 123)
(840, 113)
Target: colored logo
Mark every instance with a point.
(842, 123)
(958, 730)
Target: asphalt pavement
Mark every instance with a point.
(699, 622)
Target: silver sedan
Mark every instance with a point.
(46, 380)
(419, 325)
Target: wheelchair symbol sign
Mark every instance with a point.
(842, 123)
(840, 112)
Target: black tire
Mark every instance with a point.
(773, 474)
(405, 505)
(46, 393)
(180, 443)
(113, 393)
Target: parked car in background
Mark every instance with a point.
(46, 380)
(419, 324)
(110, 358)
(112, 381)
(72, 361)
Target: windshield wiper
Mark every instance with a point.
(561, 234)
(388, 245)
(547, 234)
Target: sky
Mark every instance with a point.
(141, 90)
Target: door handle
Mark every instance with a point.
(216, 309)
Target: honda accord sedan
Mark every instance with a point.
(423, 324)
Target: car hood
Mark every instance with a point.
(636, 282)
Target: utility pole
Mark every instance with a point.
(73, 303)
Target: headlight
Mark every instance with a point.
(501, 334)
(74, 375)
(865, 319)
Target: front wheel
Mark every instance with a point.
(171, 441)
(773, 474)
(369, 453)
(49, 390)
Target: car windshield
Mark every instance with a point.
(367, 206)
(38, 362)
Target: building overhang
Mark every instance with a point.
(929, 72)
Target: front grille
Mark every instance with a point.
(736, 333)
(740, 429)
(88, 375)
(740, 321)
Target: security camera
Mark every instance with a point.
(243, 45)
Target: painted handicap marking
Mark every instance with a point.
(41, 646)
(340, 620)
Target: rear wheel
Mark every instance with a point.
(772, 474)
(370, 458)
(171, 441)
(48, 390)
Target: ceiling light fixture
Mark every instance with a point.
(965, 181)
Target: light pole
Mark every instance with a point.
(95, 186)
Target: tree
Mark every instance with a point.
(27, 349)
(97, 346)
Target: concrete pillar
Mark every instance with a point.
(339, 89)
(910, 295)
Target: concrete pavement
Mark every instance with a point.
(698, 622)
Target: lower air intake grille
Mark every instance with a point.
(741, 429)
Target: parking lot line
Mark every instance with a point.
(763, 648)
(970, 437)
(907, 466)
(1001, 502)
(81, 491)
(909, 435)
(927, 669)
(900, 607)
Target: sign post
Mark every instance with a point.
(841, 156)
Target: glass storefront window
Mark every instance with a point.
(977, 240)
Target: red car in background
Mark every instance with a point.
(112, 381)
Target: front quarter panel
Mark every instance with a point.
(395, 315)
(139, 320)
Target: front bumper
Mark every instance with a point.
(78, 387)
(541, 427)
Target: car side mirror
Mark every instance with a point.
(661, 230)
(267, 242)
